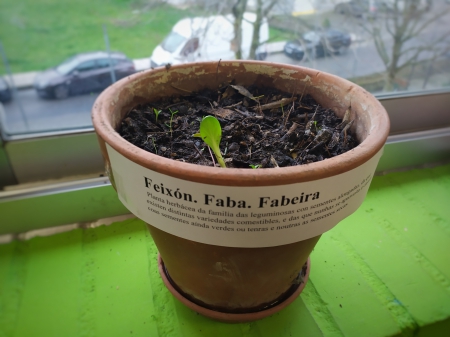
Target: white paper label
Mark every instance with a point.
(233, 216)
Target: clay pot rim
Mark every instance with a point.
(228, 317)
(371, 145)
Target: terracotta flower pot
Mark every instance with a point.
(235, 240)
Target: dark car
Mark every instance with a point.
(83, 73)
(358, 8)
(318, 44)
(353, 8)
(5, 91)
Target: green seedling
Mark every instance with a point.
(157, 112)
(255, 166)
(154, 145)
(171, 118)
(211, 133)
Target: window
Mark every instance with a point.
(86, 66)
(67, 66)
(42, 43)
(172, 42)
(105, 63)
(190, 47)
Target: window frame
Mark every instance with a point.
(32, 163)
(60, 155)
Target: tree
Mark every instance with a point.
(397, 40)
(261, 8)
(238, 12)
(237, 8)
(262, 11)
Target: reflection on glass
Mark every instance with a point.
(67, 66)
(172, 42)
(383, 45)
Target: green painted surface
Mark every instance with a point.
(383, 271)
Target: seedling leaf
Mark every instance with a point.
(157, 112)
(211, 133)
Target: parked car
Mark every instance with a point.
(83, 73)
(318, 44)
(208, 39)
(5, 91)
(352, 8)
(396, 7)
(358, 8)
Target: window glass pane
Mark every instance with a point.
(85, 66)
(386, 46)
(67, 66)
(105, 63)
(172, 42)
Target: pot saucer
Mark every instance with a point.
(232, 317)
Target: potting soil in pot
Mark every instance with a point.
(261, 127)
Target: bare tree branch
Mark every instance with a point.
(405, 21)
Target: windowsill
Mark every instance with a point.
(92, 197)
(63, 155)
(383, 270)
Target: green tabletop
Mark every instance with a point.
(384, 271)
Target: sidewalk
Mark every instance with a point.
(22, 80)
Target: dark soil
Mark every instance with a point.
(260, 127)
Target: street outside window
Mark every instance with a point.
(49, 84)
